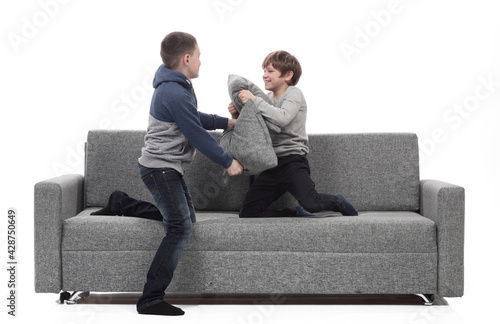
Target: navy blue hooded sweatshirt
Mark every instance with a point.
(176, 127)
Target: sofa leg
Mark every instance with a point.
(63, 297)
(66, 298)
(428, 299)
(70, 299)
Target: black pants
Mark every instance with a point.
(292, 174)
(119, 203)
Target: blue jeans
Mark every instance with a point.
(174, 201)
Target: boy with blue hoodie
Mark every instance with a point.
(176, 129)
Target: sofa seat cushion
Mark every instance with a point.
(370, 232)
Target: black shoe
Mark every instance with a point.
(113, 208)
(162, 308)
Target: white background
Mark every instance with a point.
(368, 66)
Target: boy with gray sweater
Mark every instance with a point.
(288, 110)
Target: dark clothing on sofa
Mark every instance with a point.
(121, 204)
(293, 175)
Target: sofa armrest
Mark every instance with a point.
(55, 200)
(444, 203)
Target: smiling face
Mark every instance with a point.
(274, 81)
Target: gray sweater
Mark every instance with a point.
(289, 113)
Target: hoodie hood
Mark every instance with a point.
(164, 74)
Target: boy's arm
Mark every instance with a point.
(213, 122)
(187, 117)
(280, 116)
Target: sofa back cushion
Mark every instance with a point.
(111, 164)
(374, 171)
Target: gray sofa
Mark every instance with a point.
(407, 239)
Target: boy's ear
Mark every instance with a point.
(185, 59)
(288, 76)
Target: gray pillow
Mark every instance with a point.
(235, 83)
(249, 141)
